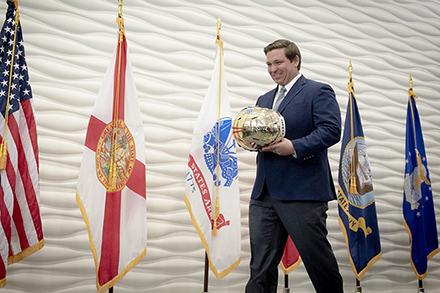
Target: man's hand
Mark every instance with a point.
(283, 147)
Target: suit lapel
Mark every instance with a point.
(297, 87)
(268, 102)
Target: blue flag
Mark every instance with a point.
(357, 210)
(418, 204)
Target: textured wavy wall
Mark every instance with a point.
(171, 43)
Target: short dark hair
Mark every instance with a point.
(291, 49)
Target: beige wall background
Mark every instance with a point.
(171, 44)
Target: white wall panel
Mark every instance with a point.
(171, 44)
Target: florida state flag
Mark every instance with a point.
(212, 194)
(112, 181)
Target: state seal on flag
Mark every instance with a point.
(116, 140)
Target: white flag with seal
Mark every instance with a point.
(212, 191)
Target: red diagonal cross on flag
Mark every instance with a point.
(112, 181)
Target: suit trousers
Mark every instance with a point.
(270, 223)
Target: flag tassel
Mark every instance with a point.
(217, 213)
(352, 188)
(3, 154)
(111, 184)
(112, 173)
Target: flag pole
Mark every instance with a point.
(216, 210)
(421, 289)
(205, 282)
(120, 22)
(286, 283)
(358, 288)
(217, 198)
(352, 187)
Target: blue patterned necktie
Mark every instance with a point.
(280, 98)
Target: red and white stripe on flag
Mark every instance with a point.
(116, 219)
(20, 190)
(21, 231)
(291, 258)
(212, 177)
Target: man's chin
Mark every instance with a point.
(278, 81)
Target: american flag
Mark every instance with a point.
(21, 232)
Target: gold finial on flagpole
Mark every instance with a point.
(219, 26)
(120, 20)
(218, 40)
(411, 92)
(350, 70)
(120, 7)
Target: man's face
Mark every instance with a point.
(281, 69)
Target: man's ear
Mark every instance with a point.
(296, 60)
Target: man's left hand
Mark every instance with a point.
(283, 147)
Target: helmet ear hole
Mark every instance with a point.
(255, 127)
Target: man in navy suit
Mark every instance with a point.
(293, 183)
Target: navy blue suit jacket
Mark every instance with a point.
(313, 124)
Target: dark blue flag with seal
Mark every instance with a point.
(357, 210)
(418, 204)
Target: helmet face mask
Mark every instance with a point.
(255, 127)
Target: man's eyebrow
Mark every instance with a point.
(275, 61)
